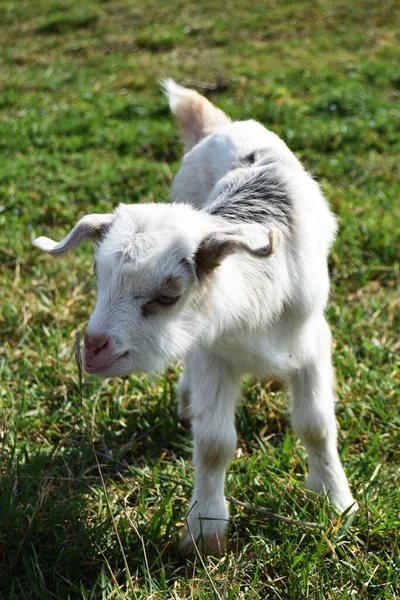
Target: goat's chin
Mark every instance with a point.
(122, 366)
(126, 365)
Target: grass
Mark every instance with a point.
(83, 127)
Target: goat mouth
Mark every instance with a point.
(95, 368)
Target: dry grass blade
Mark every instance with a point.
(255, 509)
(144, 552)
(275, 516)
(368, 522)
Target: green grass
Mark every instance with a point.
(84, 126)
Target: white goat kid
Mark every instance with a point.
(233, 278)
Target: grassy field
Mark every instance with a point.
(83, 126)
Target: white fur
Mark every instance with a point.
(263, 316)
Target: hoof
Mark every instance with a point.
(210, 544)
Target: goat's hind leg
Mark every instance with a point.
(313, 418)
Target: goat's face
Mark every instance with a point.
(146, 307)
(153, 265)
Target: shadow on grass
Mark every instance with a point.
(59, 534)
(67, 21)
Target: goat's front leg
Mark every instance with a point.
(313, 418)
(215, 388)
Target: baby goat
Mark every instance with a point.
(232, 277)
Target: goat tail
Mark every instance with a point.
(195, 115)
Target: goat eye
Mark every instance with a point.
(154, 306)
(167, 299)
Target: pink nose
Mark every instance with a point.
(96, 344)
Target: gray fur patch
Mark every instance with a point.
(255, 194)
(256, 158)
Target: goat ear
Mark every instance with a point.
(91, 226)
(257, 240)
